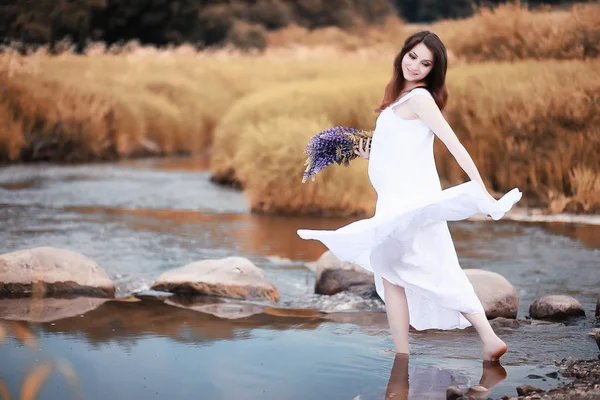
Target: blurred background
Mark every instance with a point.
(149, 134)
(94, 80)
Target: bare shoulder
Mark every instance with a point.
(422, 103)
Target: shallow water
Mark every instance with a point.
(138, 219)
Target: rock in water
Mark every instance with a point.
(525, 390)
(498, 296)
(333, 276)
(453, 393)
(50, 271)
(598, 307)
(556, 308)
(232, 277)
(596, 335)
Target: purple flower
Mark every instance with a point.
(333, 145)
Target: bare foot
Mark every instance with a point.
(494, 350)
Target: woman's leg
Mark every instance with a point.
(493, 346)
(397, 313)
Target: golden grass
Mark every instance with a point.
(388, 34)
(107, 106)
(528, 124)
(523, 126)
(348, 100)
(269, 165)
(507, 32)
(512, 32)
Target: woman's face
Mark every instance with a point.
(417, 63)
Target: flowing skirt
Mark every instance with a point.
(411, 246)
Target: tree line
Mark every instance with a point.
(203, 23)
(160, 22)
(432, 10)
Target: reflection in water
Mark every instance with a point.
(250, 233)
(426, 382)
(40, 372)
(173, 317)
(178, 345)
(46, 309)
(196, 163)
(587, 234)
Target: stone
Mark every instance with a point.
(556, 308)
(453, 393)
(498, 297)
(597, 314)
(501, 322)
(230, 277)
(333, 276)
(48, 271)
(594, 331)
(526, 390)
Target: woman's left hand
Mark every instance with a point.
(366, 152)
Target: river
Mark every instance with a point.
(140, 218)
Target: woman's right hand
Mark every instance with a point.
(363, 150)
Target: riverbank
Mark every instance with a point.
(586, 385)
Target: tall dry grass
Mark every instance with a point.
(107, 106)
(260, 143)
(508, 31)
(513, 32)
(530, 124)
(521, 123)
(388, 34)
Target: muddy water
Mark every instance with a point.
(138, 219)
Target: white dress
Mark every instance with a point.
(407, 241)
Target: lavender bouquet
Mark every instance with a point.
(333, 145)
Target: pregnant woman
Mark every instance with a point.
(407, 244)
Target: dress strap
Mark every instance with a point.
(419, 90)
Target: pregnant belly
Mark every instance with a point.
(402, 180)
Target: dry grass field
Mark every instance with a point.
(524, 99)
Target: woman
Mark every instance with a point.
(407, 243)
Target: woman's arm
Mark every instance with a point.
(428, 111)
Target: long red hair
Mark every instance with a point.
(435, 81)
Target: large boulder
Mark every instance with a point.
(498, 297)
(50, 271)
(556, 308)
(231, 277)
(333, 276)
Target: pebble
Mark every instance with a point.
(453, 393)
